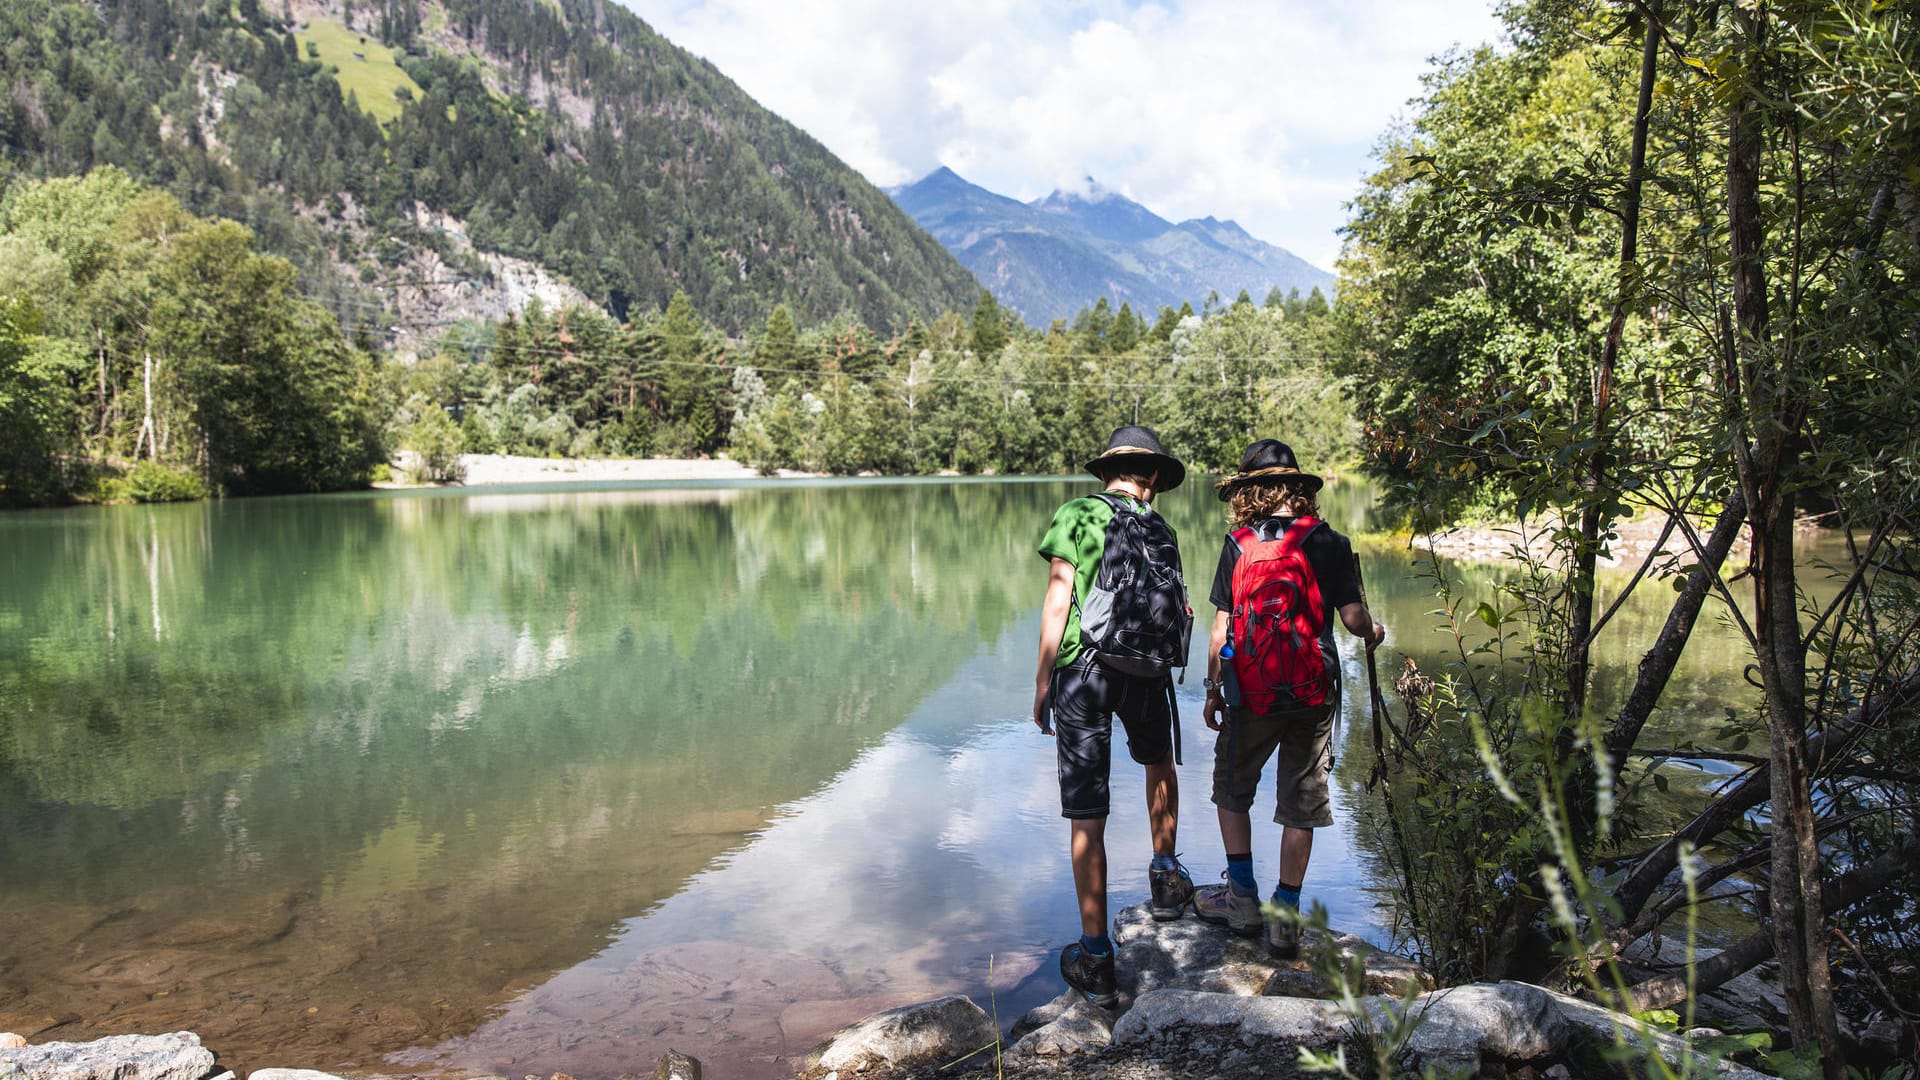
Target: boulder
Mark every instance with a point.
(675, 1065)
(175, 1056)
(1081, 1028)
(1465, 1024)
(1187, 954)
(10, 1041)
(1464, 1028)
(930, 1033)
(1302, 1020)
(1041, 1015)
(1603, 1025)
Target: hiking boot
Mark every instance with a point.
(1089, 973)
(1282, 931)
(1219, 905)
(1172, 890)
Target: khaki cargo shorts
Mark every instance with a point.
(1303, 742)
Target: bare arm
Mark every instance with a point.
(1053, 626)
(1359, 622)
(1216, 640)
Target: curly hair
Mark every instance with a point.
(1259, 500)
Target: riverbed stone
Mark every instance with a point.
(929, 1033)
(174, 1056)
(1187, 954)
(8, 1040)
(674, 1065)
(1081, 1028)
(290, 1074)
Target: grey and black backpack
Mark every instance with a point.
(1136, 617)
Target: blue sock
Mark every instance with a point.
(1162, 862)
(1101, 945)
(1287, 897)
(1240, 873)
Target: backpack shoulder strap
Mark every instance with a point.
(1242, 537)
(1297, 533)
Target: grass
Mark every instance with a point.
(373, 81)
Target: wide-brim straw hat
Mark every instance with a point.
(1137, 450)
(1269, 461)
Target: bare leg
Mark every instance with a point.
(1296, 847)
(1090, 873)
(1236, 829)
(1163, 806)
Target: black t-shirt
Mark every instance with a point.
(1329, 553)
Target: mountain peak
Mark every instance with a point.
(1088, 190)
(1054, 255)
(1104, 213)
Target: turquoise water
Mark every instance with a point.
(534, 780)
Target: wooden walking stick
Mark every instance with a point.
(1378, 701)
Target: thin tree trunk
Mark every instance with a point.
(104, 407)
(146, 436)
(1798, 924)
(1581, 630)
(1656, 667)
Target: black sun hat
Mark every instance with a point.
(1268, 460)
(1137, 449)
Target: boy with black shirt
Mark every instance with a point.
(1284, 576)
(1083, 691)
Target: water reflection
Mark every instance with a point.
(934, 864)
(555, 779)
(324, 778)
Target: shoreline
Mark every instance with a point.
(499, 470)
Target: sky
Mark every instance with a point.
(1266, 112)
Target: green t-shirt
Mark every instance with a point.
(1078, 534)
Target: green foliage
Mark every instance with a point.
(152, 482)
(989, 326)
(165, 336)
(35, 408)
(1515, 351)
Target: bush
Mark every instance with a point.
(152, 482)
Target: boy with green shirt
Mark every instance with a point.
(1083, 691)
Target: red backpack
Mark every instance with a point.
(1277, 621)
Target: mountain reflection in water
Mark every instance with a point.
(553, 780)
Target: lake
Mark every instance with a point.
(534, 780)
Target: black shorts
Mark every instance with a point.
(1086, 697)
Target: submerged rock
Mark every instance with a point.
(675, 1065)
(175, 1056)
(930, 1033)
(290, 1074)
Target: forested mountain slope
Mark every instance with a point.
(426, 160)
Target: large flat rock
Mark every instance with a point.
(174, 1056)
(1187, 954)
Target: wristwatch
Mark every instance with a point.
(1213, 686)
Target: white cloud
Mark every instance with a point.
(1264, 111)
